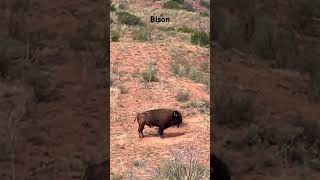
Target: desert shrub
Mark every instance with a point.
(179, 1)
(187, 6)
(204, 14)
(142, 34)
(233, 108)
(200, 38)
(182, 166)
(185, 29)
(168, 28)
(123, 89)
(171, 5)
(138, 163)
(150, 73)
(113, 7)
(182, 95)
(180, 67)
(122, 6)
(116, 176)
(197, 76)
(136, 73)
(205, 3)
(129, 19)
(205, 66)
(203, 106)
(115, 36)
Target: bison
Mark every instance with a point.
(162, 118)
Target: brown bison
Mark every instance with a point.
(97, 171)
(162, 118)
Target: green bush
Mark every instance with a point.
(113, 8)
(141, 34)
(200, 38)
(204, 14)
(185, 29)
(171, 5)
(168, 28)
(179, 1)
(115, 36)
(129, 19)
(150, 73)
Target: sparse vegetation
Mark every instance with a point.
(180, 67)
(142, 34)
(123, 89)
(122, 6)
(116, 176)
(129, 19)
(187, 6)
(182, 166)
(179, 1)
(185, 29)
(171, 5)
(138, 163)
(202, 106)
(113, 8)
(167, 28)
(150, 73)
(204, 14)
(182, 95)
(115, 36)
(200, 38)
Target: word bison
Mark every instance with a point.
(162, 118)
(97, 171)
(219, 170)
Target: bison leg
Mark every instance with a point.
(140, 130)
(161, 132)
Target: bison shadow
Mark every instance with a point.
(165, 135)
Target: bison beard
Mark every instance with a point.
(162, 118)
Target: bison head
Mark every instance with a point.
(177, 118)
